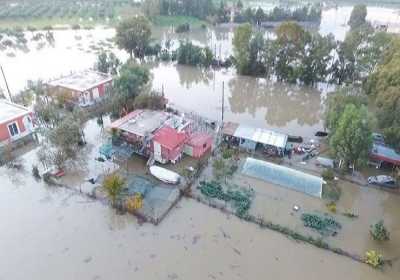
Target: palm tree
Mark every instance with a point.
(113, 184)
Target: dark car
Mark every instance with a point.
(383, 181)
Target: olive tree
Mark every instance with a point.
(133, 35)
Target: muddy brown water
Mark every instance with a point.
(50, 233)
(54, 233)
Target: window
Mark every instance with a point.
(13, 129)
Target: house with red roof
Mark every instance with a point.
(168, 144)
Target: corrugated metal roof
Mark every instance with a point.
(283, 176)
(262, 136)
(245, 132)
(386, 153)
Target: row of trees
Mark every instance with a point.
(296, 55)
(195, 8)
(309, 13)
(372, 58)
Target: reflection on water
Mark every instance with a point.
(253, 101)
(290, 109)
(284, 103)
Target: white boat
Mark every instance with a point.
(165, 175)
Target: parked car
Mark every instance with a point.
(378, 138)
(383, 181)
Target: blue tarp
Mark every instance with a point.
(283, 176)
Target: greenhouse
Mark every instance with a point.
(283, 176)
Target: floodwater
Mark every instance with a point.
(50, 233)
(295, 110)
(53, 233)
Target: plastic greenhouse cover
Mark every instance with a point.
(283, 176)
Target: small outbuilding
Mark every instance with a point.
(198, 145)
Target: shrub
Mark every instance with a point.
(227, 153)
(113, 184)
(328, 174)
(373, 258)
(185, 27)
(379, 232)
(35, 172)
(331, 206)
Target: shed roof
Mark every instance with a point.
(283, 176)
(199, 138)
(10, 111)
(169, 137)
(385, 153)
(141, 122)
(260, 135)
(230, 128)
(82, 81)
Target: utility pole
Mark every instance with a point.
(5, 80)
(223, 102)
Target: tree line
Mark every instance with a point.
(374, 61)
(299, 56)
(308, 13)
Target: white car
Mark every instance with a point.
(383, 181)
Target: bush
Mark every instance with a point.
(113, 184)
(328, 174)
(227, 153)
(379, 232)
(35, 172)
(185, 27)
(374, 259)
(331, 207)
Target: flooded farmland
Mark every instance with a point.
(52, 233)
(286, 108)
(56, 233)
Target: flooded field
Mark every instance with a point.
(57, 233)
(52, 233)
(290, 109)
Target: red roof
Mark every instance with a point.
(169, 137)
(198, 139)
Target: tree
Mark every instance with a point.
(107, 63)
(241, 47)
(130, 83)
(113, 184)
(316, 58)
(102, 63)
(259, 16)
(336, 104)
(358, 16)
(352, 139)
(291, 39)
(133, 35)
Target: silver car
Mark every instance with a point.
(383, 181)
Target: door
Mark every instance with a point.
(96, 94)
(28, 123)
(157, 152)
